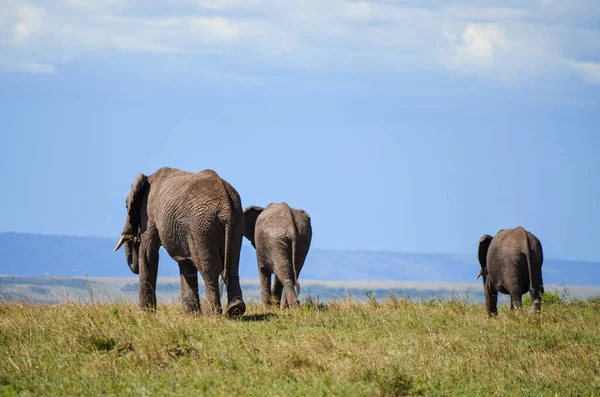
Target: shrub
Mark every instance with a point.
(548, 298)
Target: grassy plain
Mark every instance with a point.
(391, 347)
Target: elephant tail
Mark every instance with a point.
(294, 268)
(294, 243)
(533, 282)
(225, 255)
(226, 217)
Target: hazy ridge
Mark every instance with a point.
(37, 255)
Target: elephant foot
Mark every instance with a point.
(269, 305)
(535, 306)
(236, 308)
(286, 304)
(148, 306)
(192, 310)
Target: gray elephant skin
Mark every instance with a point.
(281, 236)
(198, 219)
(511, 263)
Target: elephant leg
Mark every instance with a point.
(213, 295)
(277, 291)
(520, 284)
(284, 273)
(516, 296)
(148, 262)
(536, 301)
(536, 290)
(209, 267)
(290, 299)
(265, 284)
(284, 302)
(235, 302)
(516, 302)
(491, 299)
(189, 287)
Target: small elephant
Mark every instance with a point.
(511, 262)
(198, 218)
(281, 236)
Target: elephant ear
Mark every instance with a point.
(250, 216)
(484, 245)
(134, 204)
(306, 214)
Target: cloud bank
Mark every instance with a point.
(505, 40)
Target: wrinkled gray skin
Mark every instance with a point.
(281, 236)
(511, 263)
(198, 218)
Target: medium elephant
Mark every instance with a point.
(281, 236)
(511, 262)
(198, 219)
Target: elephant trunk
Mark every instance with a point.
(484, 245)
(132, 255)
(130, 236)
(131, 242)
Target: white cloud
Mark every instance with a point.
(474, 48)
(589, 71)
(26, 66)
(31, 20)
(503, 40)
(510, 52)
(217, 28)
(481, 41)
(483, 14)
(228, 4)
(94, 5)
(360, 11)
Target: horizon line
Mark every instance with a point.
(317, 248)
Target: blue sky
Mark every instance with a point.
(399, 126)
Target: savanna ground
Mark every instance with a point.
(387, 347)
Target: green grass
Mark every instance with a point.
(393, 347)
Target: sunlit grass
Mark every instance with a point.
(386, 347)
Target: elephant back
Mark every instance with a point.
(199, 203)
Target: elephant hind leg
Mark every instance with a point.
(285, 278)
(213, 294)
(235, 301)
(277, 291)
(536, 300)
(491, 299)
(265, 284)
(284, 304)
(290, 299)
(189, 287)
(209, 267)
(516, 302)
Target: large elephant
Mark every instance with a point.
(198, 219)
(281, 236)
(511, 263)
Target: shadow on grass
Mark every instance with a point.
(258, 317)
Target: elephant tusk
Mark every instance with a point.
(120, 243)
(479, 275)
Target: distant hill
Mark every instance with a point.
(35, 255)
